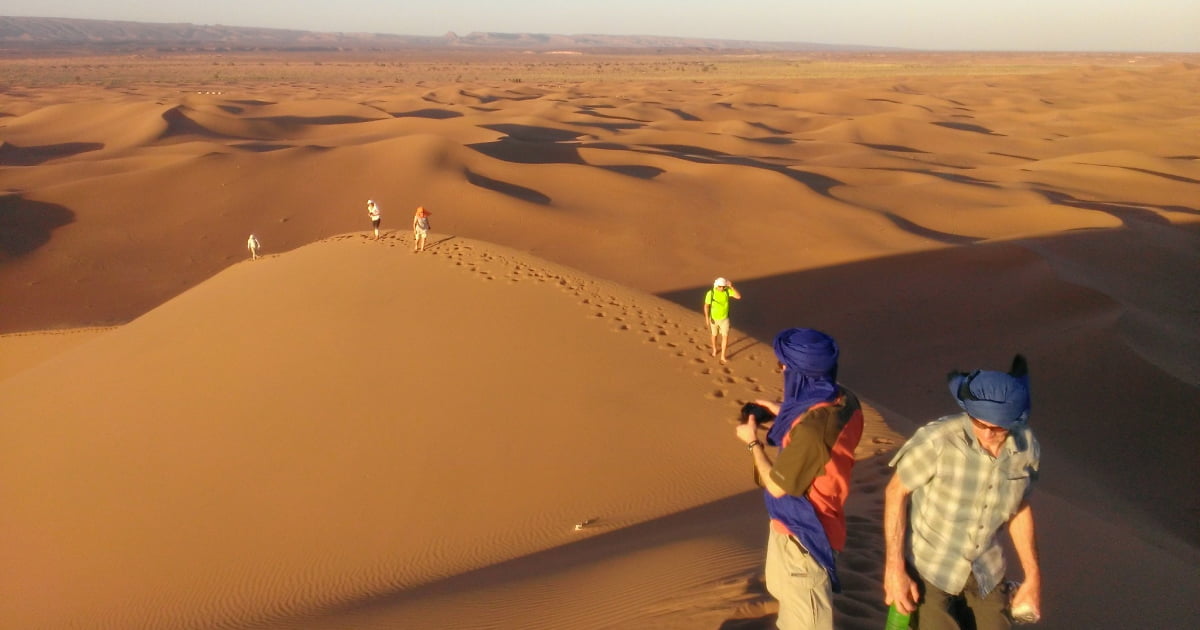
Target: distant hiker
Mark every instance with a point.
(373, 212)
(958, 480)
(253, 245)
(816, 430)
(420, 228)
(716, 313)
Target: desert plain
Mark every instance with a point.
(522, 426)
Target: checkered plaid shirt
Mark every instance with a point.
(961, 496)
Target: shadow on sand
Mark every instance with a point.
(904, 321)
(13, 155)
(26, 225)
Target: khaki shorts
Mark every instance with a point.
(800, 584)
(720, 327)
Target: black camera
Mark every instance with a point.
(761, 414)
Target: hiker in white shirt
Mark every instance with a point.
(373, 212)
(253, 245)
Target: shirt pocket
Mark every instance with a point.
(1016, 480)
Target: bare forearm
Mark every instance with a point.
(748, 433)
(763, 464)
(895, 522)
(899, 589)
(1021, 530)
(1027, 601)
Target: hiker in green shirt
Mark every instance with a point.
(716, 312)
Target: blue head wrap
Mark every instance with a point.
(997, 398)
(811, 358)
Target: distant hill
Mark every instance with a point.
(49, 33)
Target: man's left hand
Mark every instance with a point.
(1029, 594)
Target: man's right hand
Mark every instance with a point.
(900, 589)
(747, 431)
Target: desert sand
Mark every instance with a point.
(344, 434)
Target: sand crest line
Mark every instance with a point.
(59, 331)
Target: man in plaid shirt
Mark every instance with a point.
(958, 481)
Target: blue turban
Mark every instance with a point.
(811, 358)
(997, 398)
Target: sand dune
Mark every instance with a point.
(456, 410)
(296, 442)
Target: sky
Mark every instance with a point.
(1017, 25)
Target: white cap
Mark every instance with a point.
(720, 282)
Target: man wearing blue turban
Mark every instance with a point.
(958, 480)
(805, 485)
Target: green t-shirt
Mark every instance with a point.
(718, 302)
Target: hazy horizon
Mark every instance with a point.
(1016, 25)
